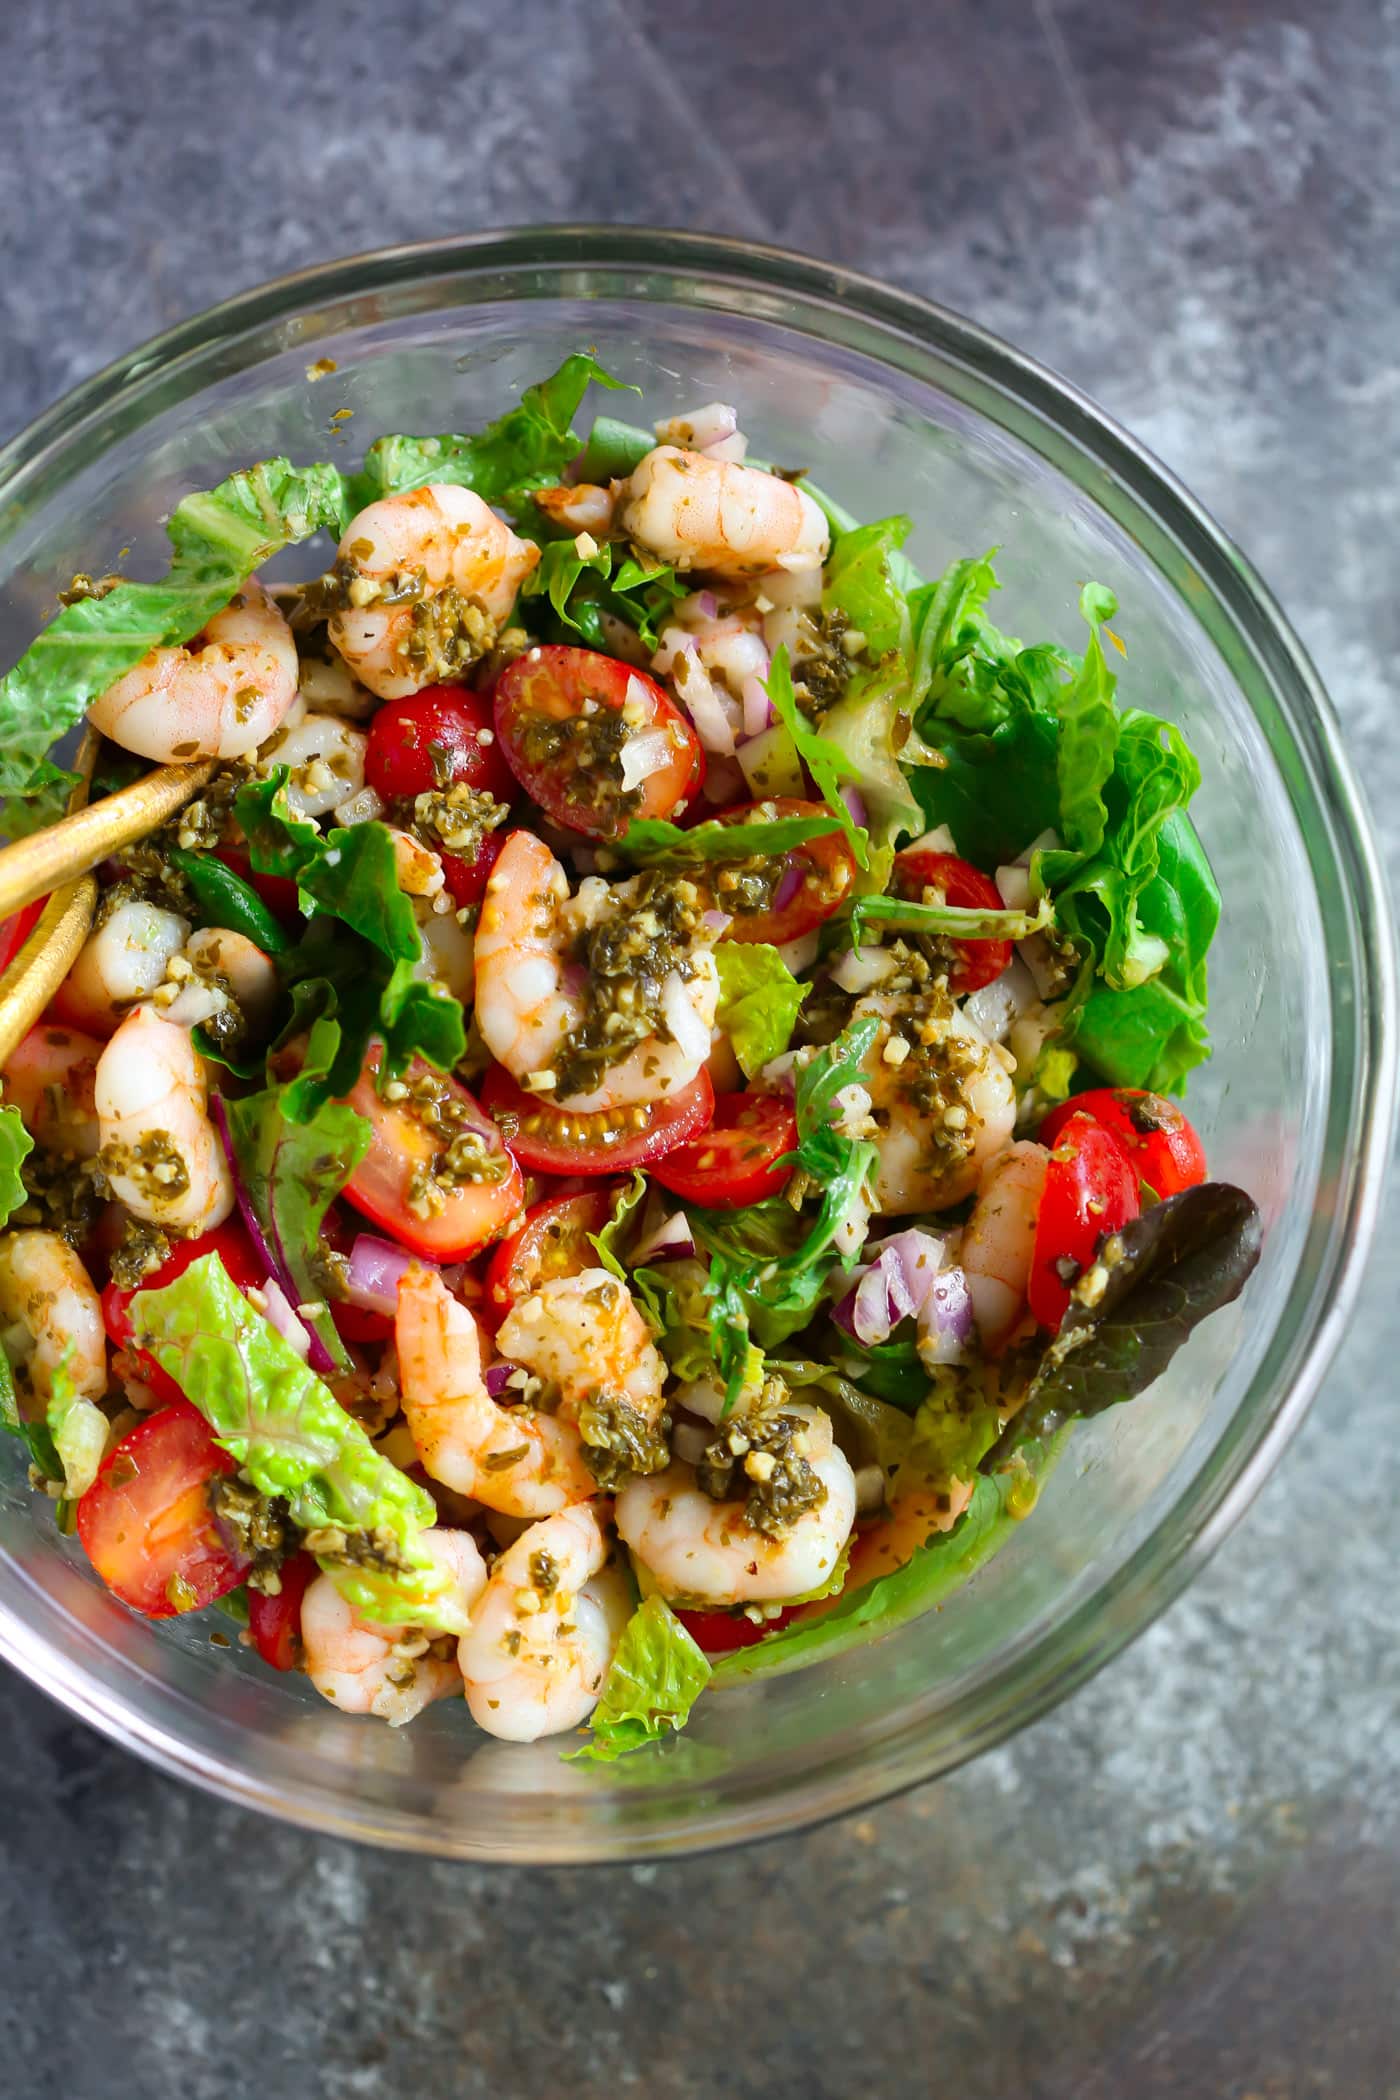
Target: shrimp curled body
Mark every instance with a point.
(584, 1336)
(388, 1671)
(999, 1238)
(529, 1006)
(160, 1152)
(432, 574)
(518, 1460)
(217, 697)
(47, 1294)
(714, 515)
(546, 1630)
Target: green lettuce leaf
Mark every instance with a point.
(15, 1147)
(218, 539)
(654, 1680)
(827, 764)
(584, 591)
(290, 1437)
(78, 1428)
(947, 921)
(759, 1000)
(352, 873)
(525, 449)
(859, 584)
(659, 844)
(292, 1172)
(863, 728)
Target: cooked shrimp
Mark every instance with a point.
(160, 1152)
(432, 574)
(215, 971)
(49, 1079)
(544, 1633)
(516, 1459)
(325, 758)
(999, 1238)
(122, 961)
(942, 1102)
(730, 520)
(529, 1007)
(584, 1335)
(697, 1548)
(50, 1306)
(583, 508)
(388, 1671)
(218, 697)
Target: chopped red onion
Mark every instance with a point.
(281, 1314)
(716, 922)
(691, 1035)
(498, 1377)
(705, 704)
(855, 803)
(789, 883)
(671, 643)
(724, 782)
(671, 1240)
(701, 429)
(319, 1356)
(1014, 882)
(895, 1287)
(939, 840)
(857, 970)
(945, 1319)
(644, 755)
(733, 450)
(700, 605)
(994, 1007)
(799, 587)
(758, 708)
(799, 955)
(372, 1279)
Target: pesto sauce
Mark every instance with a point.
(627, 957)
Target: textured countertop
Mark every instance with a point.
(1187, 1881)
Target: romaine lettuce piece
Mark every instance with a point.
(759, 1000)
(655, 1678)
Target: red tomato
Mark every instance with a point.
(553, 1241)
(1090, 1190)
(551, 742)
(15, 930)
(551, 1141)
(145, 1522)
(275, 1622)
(472, 1215)
(721, 1632)
(739, 1159)
(467, 878)
(816, 878)
(959, 883)
(1163, 1150)
(278, 892)
(235, 1250)
(434, 739)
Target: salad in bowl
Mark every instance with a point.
(604, 1148)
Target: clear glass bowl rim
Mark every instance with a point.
(1127, 478)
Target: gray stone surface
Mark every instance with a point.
(1187, 1882)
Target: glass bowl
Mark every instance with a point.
(893, 405)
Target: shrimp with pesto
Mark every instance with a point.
(589, 1160)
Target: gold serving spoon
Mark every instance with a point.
(57, 863)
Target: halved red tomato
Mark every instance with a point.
(433, 739)
(278, 892)
(467, 878)
(444, 1220)
(1162, 1148)
(15, 930)
(145, 1522)
(553, 1241)
(230, 1242)
(275, 1622)
(1090, 1190)
(721, 1632)
(559, 716)
(956, 882)
(815, 877)
(738, 1160)
(552, 1141)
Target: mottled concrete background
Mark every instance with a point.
(1187, 1883)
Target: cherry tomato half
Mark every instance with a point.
(1163, 1150)
(735, 1161)
(721, 1632)
(275, 1622)
(15, 930)
(815, 878)
(145, 1522)
(567, 753)
(552, 1141)
(957, 882)
(1090, 1189)
(553, 1241)
(433, 739)
(473, 1213)
(230, 1242)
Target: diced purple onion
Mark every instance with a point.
(789, 883)
(644, 755)
(945, 1319)
(319, 1356)
(280, 1313)
(372, 1279)
(855, 803)
(671, 1240)
(701, 429)
(498, 1377)
(896, 1286)
(758, 708)
(733, 450)
(716, 922)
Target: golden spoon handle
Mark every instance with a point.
(35, 866)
